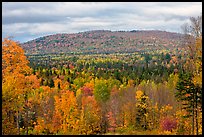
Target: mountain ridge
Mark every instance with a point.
(104, 41)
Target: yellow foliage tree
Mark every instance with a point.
(141, 107)
(89, 122)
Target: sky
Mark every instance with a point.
(24, 21)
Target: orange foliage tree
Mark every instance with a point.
(14, 68)
(66, 113)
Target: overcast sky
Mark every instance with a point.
(28, 20)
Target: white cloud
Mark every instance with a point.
(29, 19)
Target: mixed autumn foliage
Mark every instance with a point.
(141, 93)
(104, 41)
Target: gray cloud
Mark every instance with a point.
(32, 19)
(27, 20)
(176, 17)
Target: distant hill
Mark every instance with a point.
(104, 41)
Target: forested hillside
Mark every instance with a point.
(103, 41)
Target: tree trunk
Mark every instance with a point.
(26, 120)
(145, 112)
(196, 115)
(17, 122)
(26, 114)
(193, 113)
(103, 118)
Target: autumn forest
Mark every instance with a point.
(104, 83)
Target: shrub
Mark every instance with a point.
(168, 124)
